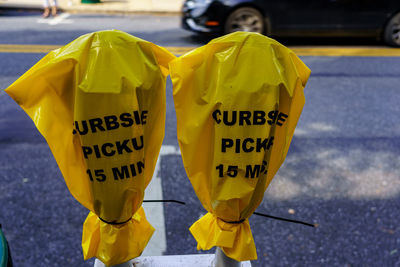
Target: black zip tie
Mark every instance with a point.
(286, 220)
(115, 223)
(233, 222)
(166, 200)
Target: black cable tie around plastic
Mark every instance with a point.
(115, 223)
(234, 222)
(163, 200)
(166, 200)
(286, 220)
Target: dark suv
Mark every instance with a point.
(359, 18)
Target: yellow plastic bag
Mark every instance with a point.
(100, 103)
(237, 100)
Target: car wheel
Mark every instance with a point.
(245, 19)
(392, 31)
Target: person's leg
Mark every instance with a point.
(54, 8)
(46, 6)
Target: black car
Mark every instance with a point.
(283, 18)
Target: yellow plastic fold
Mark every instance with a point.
(100, 104)
(131, 237)
(210, 231)
(237, 101)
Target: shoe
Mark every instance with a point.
(46, 12)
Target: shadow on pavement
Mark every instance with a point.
(301, 41)
(329, 41)
(20, 12)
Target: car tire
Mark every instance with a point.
(246, 19)
(392, 31)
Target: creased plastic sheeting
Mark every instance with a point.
(126, 236)
(100, 104)
(237, 100)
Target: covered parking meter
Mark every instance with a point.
(100, 104)
(237, 100)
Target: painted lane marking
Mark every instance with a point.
(155, 211)
(351, 51)
(11, 48)
(300, 51)
(60, 19)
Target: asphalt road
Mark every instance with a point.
(341, 172)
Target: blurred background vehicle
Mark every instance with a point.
(293, 18)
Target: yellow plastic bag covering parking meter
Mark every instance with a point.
(237, 101)
(100, 104)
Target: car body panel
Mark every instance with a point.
(298, 17)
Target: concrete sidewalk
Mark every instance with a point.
(105, 6)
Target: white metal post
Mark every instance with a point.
(98, 263)
(221, 260)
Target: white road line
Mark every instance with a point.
(155, 211)
(60, 19)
